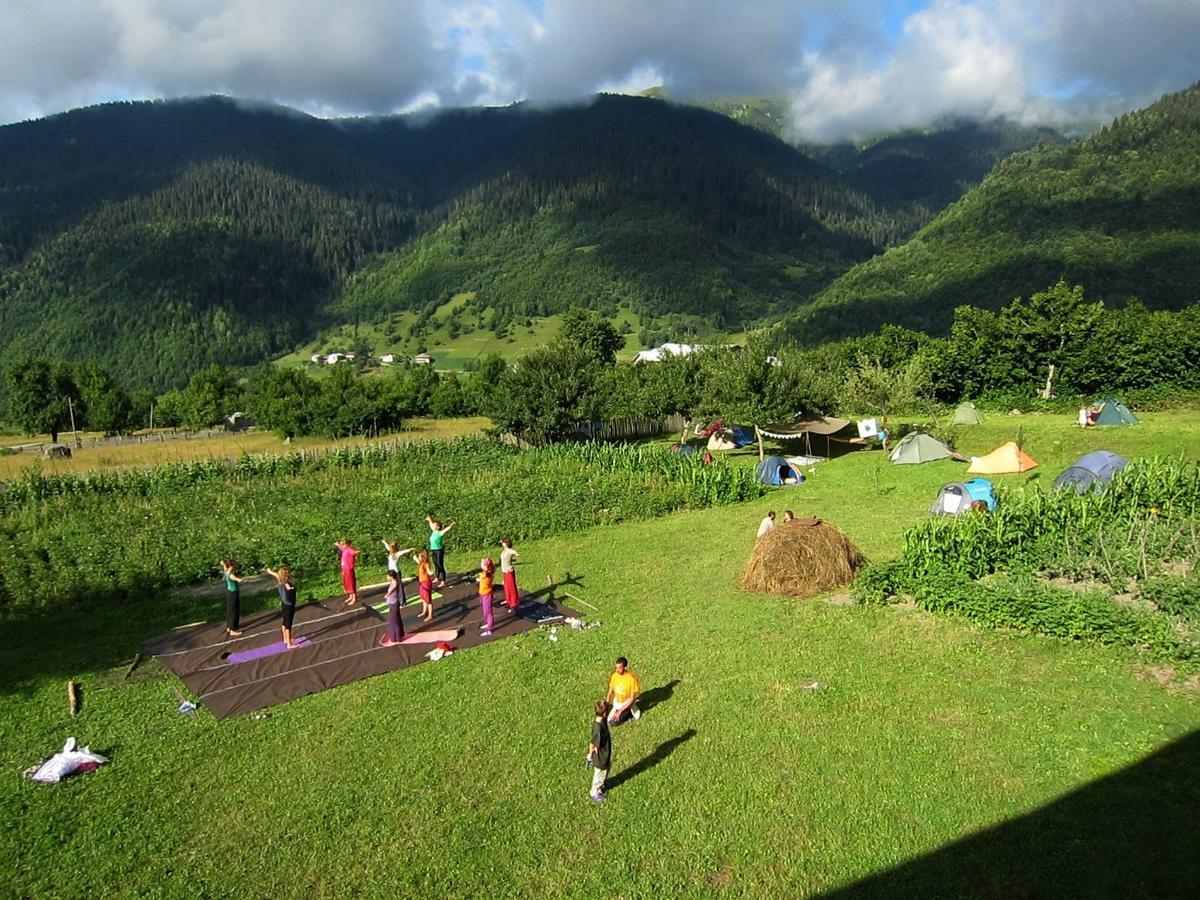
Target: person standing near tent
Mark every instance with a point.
(349, 582)
(287, 601)
(507, 556)
(623, 690)
(437, 535)
(395, 627)
(766, 524)
(487, 574)
(599, 751)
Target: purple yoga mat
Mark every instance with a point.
(259, 652)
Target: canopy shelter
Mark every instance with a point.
(918, 447)
(956, 498)
(1008, 459)
(1114, 412)
(843, 431)
(967, 414)
(1094, 469)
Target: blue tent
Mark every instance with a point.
(1096, 469)
(777, 470)
(955, 498)
(742, 436)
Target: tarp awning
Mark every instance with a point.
(789, 430)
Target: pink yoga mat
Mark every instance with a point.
(430, 637)
(269, 650)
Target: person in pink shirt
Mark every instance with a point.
(349, 583)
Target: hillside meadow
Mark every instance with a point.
(787, 748)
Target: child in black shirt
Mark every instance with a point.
(600, 750)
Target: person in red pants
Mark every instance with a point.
(507, 556)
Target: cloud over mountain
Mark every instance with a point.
(849, 69)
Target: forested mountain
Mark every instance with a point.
(160, 237)
(1118, 213)
(923, 172)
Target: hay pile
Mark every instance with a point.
(801, 559)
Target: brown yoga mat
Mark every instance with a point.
(342, 646)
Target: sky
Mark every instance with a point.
(845, 69)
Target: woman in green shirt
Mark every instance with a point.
(436, 534)
(233, 597)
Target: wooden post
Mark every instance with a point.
(73, 697)
(762, 454)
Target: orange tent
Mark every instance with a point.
(1004, 460)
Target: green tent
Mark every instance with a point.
(919, 448)
(1114, 412)
(967, 414)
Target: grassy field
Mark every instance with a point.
(788, 748)
(224, 446)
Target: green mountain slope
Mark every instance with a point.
(158, 237)
(1118, 212)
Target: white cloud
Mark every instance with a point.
(850, 68)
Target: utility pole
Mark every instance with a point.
(74, 434)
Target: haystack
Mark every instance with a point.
(803, 558)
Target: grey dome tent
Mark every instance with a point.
(1095, 469)
(967, 414)
(1114, 412)
(956, 498)
(919, 447)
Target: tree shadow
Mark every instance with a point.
(647, 700)
(661, 752)
(1130, 834)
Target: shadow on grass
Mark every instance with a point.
(647, 700)
(661, 752)
(1131, 834)
(67, 643)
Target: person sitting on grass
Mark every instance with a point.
(600, 751)
(788, 517)
(287, 601)
(623, 690)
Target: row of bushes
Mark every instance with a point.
(1118, 540)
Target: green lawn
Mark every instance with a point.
(981, 763)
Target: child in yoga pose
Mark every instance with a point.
(395, 627)
(349, 582)
(287, 601)
(486, 578)
(424, 585)
(507, 556)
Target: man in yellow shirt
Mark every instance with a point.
(623, 690)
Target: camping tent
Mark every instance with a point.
(1114, 412)
(1005, 460)
(967, 414)
(956, 498)
(777, 470)
(730, 438)
(919, 447)
(1095, 469)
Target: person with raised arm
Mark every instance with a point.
(437, 535)
(233, 597)
(393, 563)
(287, 601)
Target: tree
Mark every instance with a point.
(482, 383)
(282, 400)
(212, 393)
(549, 390)
(106, 407)
(884, 390)
(38, 396)
(588, 330)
